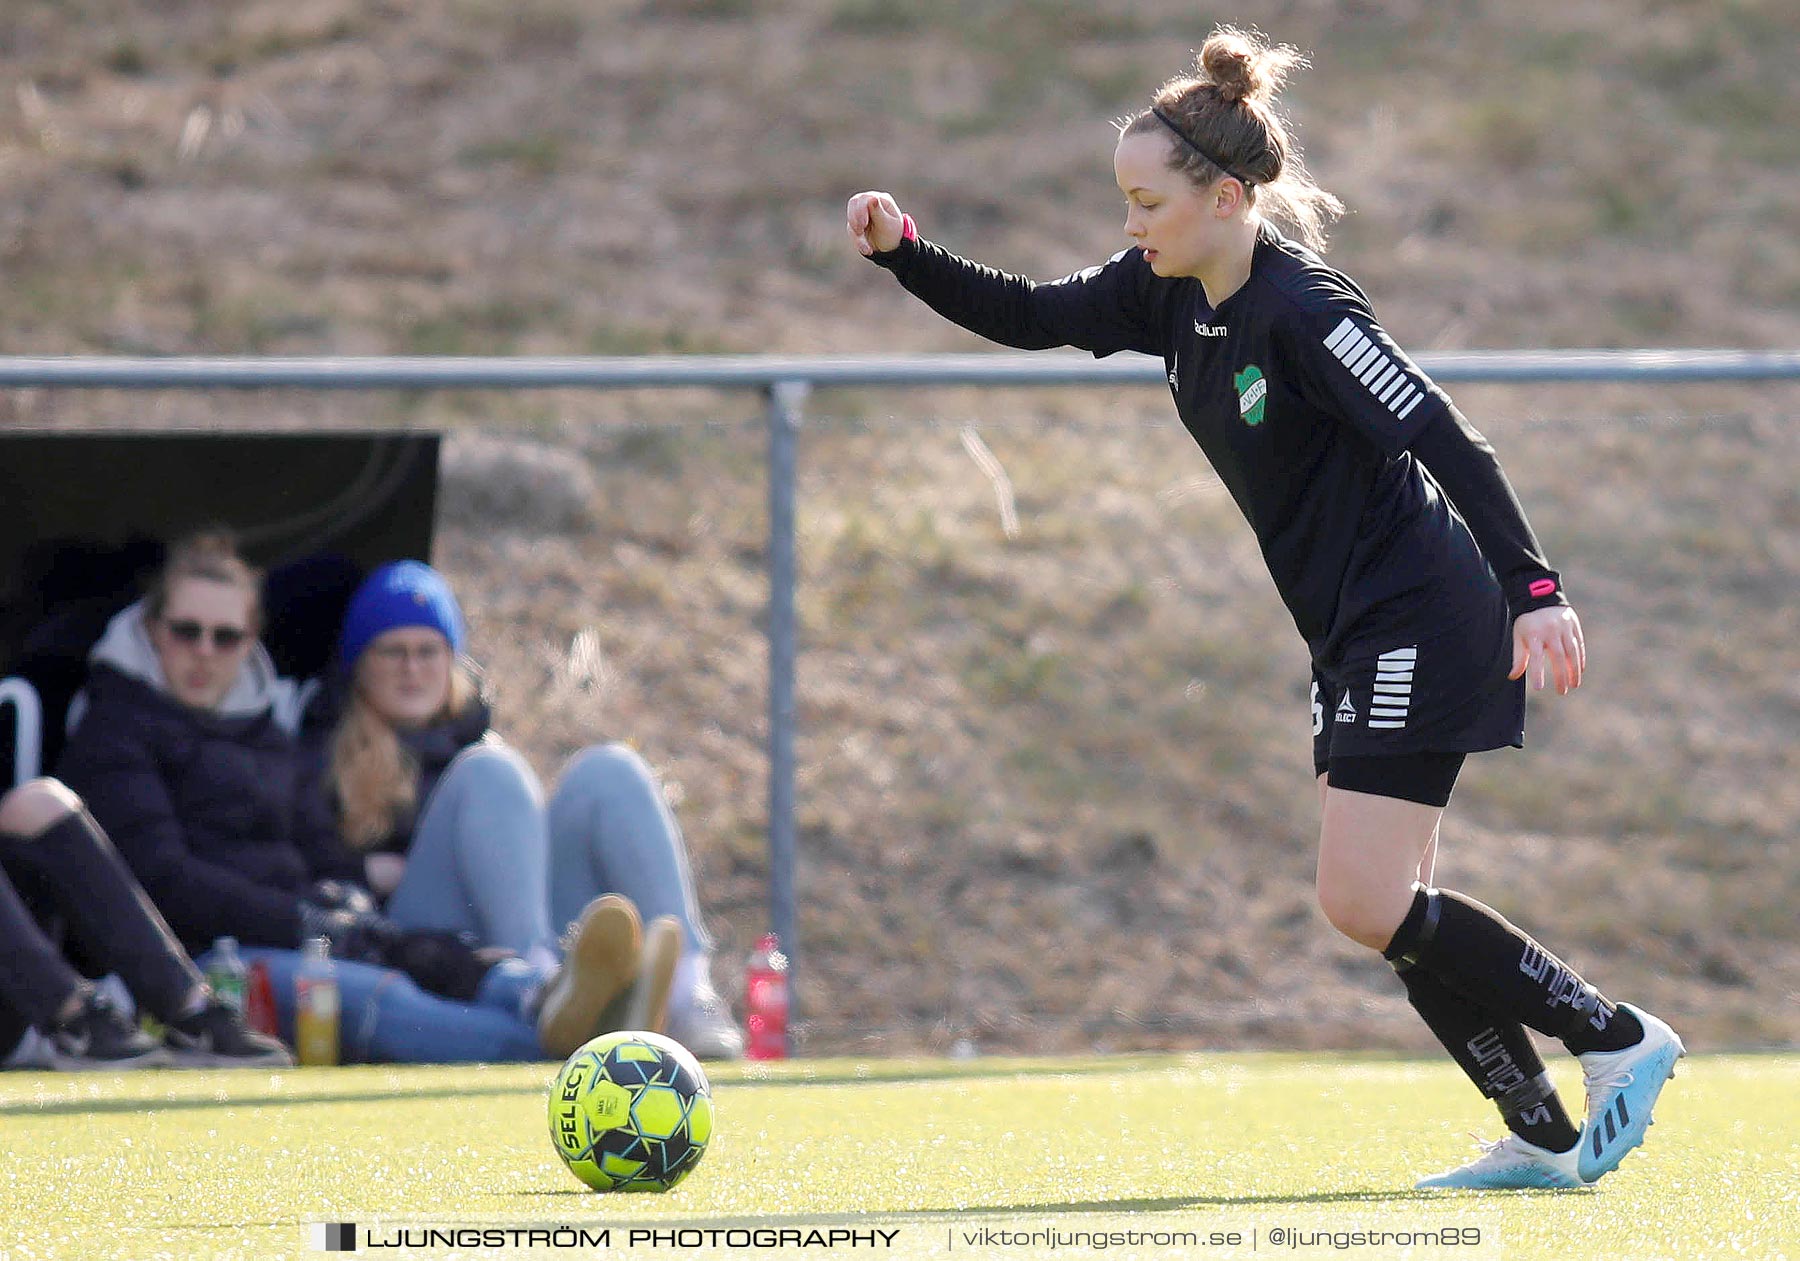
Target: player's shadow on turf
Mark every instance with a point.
(1323, 1197)
(1166, 1204)
(1173, 1203)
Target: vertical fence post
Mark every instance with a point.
(785, 401)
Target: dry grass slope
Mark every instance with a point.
(1054, 787)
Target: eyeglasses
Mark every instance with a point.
(395, 656)
(224, 638)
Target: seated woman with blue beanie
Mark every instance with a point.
(182, 756)
(450, 826)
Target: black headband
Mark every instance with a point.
(1188, 140)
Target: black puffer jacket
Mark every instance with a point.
(205, 806)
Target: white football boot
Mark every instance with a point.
(1512, 1164)
(1622, 1087)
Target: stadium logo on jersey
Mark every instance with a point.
(1253, 392)
(1346, 712)
(1393, 385)
(1392, 697)
(1209, 330)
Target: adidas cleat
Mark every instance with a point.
(1622, 1087)
(1511, 1164)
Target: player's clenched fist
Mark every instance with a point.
(875, 222)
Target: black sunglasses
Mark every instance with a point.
(224, 638)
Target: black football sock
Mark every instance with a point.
(1473, 949)
(35, 979)
(1497, 1055)
(107, 911)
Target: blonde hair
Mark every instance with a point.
(212, 556)
(1224, 122)
(374, 776)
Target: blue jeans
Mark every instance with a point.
(385, 1018)
(490, 856)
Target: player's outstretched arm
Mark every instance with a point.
(875, 222)
(1101, 309)
(1548, 641)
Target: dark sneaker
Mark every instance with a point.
(217, 1037)
(99, 1038)
(600, 959)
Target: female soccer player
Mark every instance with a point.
(1395, 541)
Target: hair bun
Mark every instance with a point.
(1224, 122)
(1240, 65)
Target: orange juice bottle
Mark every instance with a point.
(316, 1005)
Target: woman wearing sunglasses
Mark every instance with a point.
(182, 754)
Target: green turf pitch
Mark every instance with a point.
(237, 1164)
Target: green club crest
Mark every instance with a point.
(1253, 392)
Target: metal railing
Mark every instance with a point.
(786, 383)
(767, 371)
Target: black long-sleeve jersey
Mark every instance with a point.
(1378, 508)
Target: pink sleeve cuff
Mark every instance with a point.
(909, 231)
(1542, 587)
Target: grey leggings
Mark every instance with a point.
(492, 857)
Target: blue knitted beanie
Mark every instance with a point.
(403, 593)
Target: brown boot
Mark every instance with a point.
(656, 975)
(601, 954)
(643, 1007)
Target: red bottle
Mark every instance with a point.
(766, 1001)
(259, 1001)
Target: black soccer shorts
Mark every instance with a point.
(1437, 693)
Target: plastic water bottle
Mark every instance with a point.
(766, 1001)
(316, 1005)
(226, 973)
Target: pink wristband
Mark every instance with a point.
(909, 231)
